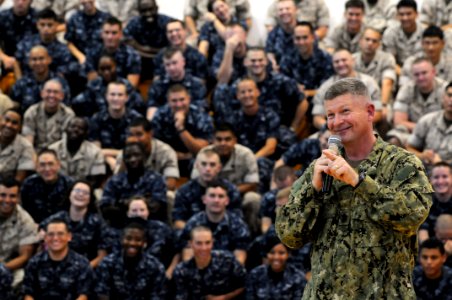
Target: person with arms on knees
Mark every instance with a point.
(363, 230)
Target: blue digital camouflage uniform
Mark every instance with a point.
(88, 236)
(119, 281)
(195, 63)
(6, 279)
(84, 31)
(128, 61)
(62, 60)
(427, 289)
(42, 200)
(66, 279)
(264, 284)
(277, 92)
(302, 153)
(92, 99)
(157, 91)
(438, 208)
(13, 29)
(189, 199)
(279, 42)
(268, 205)
(312, 72)
(118, 189)
(238, 69)
(230, 234)
(27, 90)
(197, 122)
(111, 133)
(159, 240)
(364, 238)
(223, 275)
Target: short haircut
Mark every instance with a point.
(176, 88)
(372, 29)
(47, 13)
(9, 181)
(448, 86)
(211, 3)
(306, 24)
(182, 23)
(132, 144)
(442, 163)
(118, 82)
(55, 80)
(48, 151)
(199, 228)
(222, 127)
(107, 55)
(171, 51)
(444, 221)
(433, 31)
(141, 122)
(421, 60)
(15, 110)
(407, 3)
(432, 243)
(283, 172)
(84, 120)
(255, 48)
(136, 223)
(209, 152)
(355, 4)
(216, 184)
(136, 198)
(58, 221)
(112, 21)
(345, 86)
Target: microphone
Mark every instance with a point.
(335, 145)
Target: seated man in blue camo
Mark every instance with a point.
(127, 59)
(227, 63)
(225, 275)
(441, 180)
(184, 126)
(343, 65)
(17, 155)
(284, 177)
(176, 73)
(195, 62)
(280, 39)
(135, 180)
(6, 280)
(309, 65)
(58, 272)
(15, 24)
(43, 193)
(26, 91)
(277, 92)
(108, 127)
(83, 29)
(146, 34)
(79, 158)
(62, 60)
(230, 232)
(45, 121)
(432, 279)
(159, 156)
(92, 99)
(18, 231)
(188, 200)
(131, 273)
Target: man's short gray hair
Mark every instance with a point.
(345, 86)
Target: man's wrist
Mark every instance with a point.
(179, 131)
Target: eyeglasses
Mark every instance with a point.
(80, 191)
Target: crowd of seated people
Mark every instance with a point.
(145, 157)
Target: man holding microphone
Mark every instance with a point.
(363, 229)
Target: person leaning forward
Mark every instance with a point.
(363, 231)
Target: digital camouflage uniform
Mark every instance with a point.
(88, 235)
(312, 72)
(157, 94)
(223, 275)
(396, 42)
(238, 69)
(380, 14)
(189, 199)
(424, 287)
(13, 29)
(42, 200)
(19, 155)
(302, 153)
(27, 90)
(92, 99)
(382, 66)
(84, 31)
(264, 284)
(339, 38)
(443, 67)
(438, 208)
(268, 205)
(6, 280)
(65, 279)
(118, 281)
(364, 238)
(110, 132)
(436, 12)
(279, 42)
(230, 234)
(195, 63)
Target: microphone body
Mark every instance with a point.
(335, 145)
